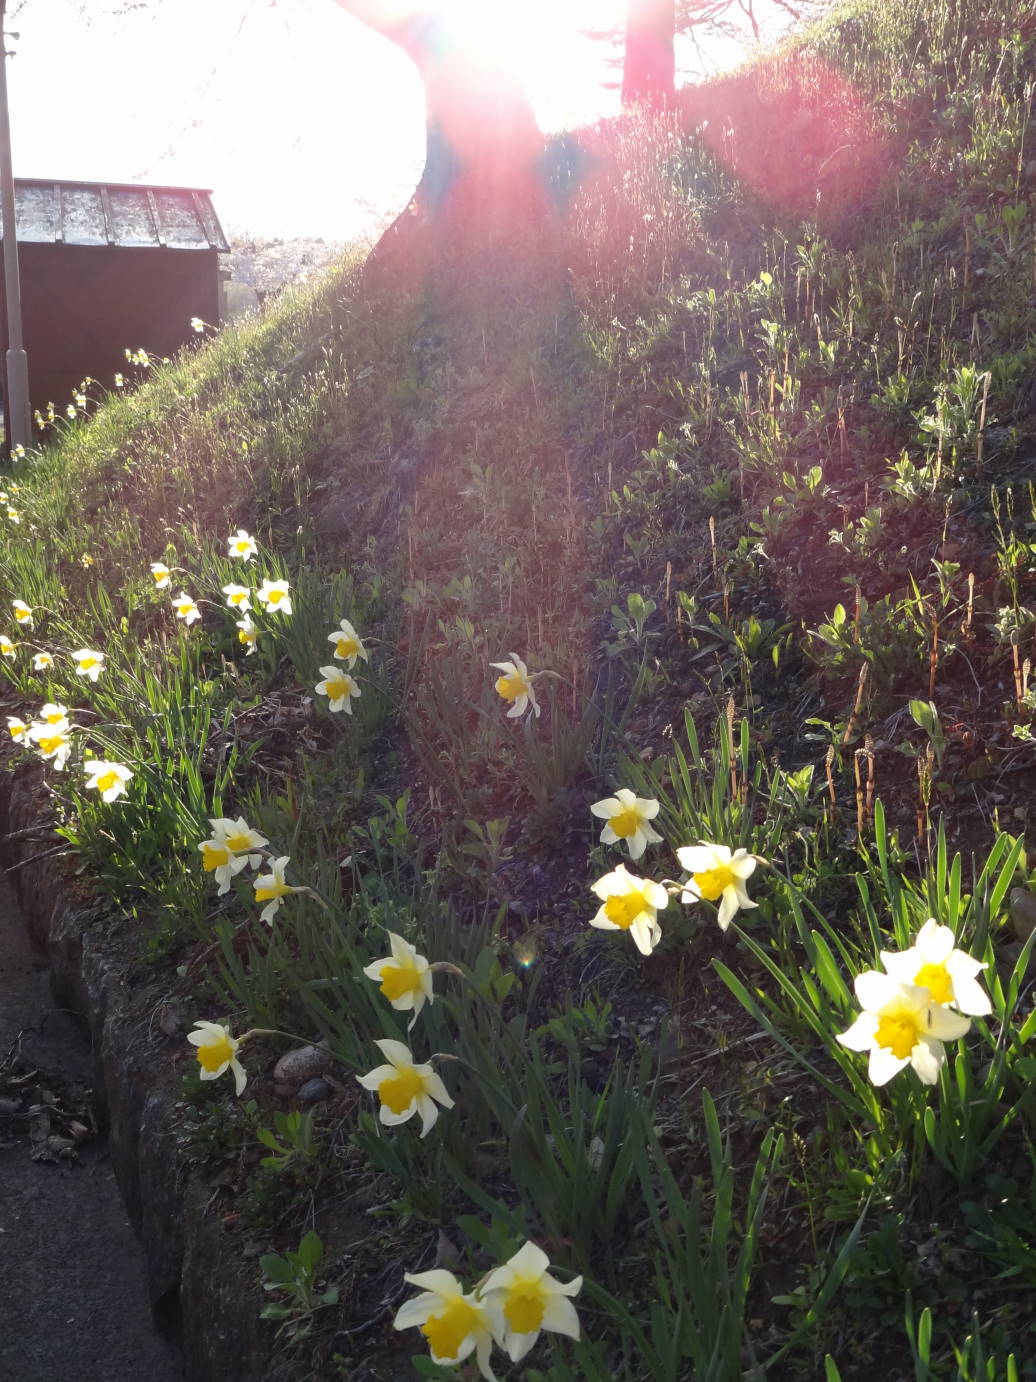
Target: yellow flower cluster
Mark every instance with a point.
(51, 736)
(510, 1307)
(632, 904)
(926, 997)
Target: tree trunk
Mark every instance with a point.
(481, 187)
(649, 68)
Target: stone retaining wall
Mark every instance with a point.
(201, 1288)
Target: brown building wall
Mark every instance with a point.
(83, 306)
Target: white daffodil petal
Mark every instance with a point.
(883, 1065)
(559, 1314)
(927, 1058)
(860, 1034)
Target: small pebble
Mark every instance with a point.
(313, 1091)
(301, 1064)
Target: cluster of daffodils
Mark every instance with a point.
(235, 846)
(51, 736)
(628, 903)
(510, 1307)
(13, 514)
(88, 663)
(273, 596)
(926, 997)
(338, 685)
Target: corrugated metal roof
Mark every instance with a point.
(114, 213)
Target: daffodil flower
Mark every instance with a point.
(339, 688)
(42, 661)
(405, 1088)
(275, 596)
(717, 875)
(522, 1298)
(162, 575)
(241, 544)
(272, 889)
(22, 613)
(248, 634)
(900, 1025)
(239, 837)
(54, 742)
(13, 515)
(88, 663)
(217, 1051)
(107, 778)
(405, 977)
(17, 728)
(7, 648)
(949, 975)
(626, 818)
(630, 904)
(227, 853)
(454, 1323)
(515, 686)
(348, 646)
(237, 597)
(54, 714)
(186, 609)
(197, 325)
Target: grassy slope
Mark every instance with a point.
(748, 407)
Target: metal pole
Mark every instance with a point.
(17, 417)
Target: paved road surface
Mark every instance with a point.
(73, 1302)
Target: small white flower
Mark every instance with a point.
(515, 686)
(162, 575)
(626, 818)
(630, 904)
(455, 1324)
(54, 713)
(217, 1051)
(17, 728)
(7, 648)
(405, 977)
(339, 688)
(186, 609)
(22, 613)
(275, 596)
(54, 742)
(42, 661)
(949, 975)
(88, 663)
(237, 597)
(348, 646)
(717, 875)
(242, 544)
(227, 853)
(107, 778)
(900, 1026)
(272, 889)
(522, 1299)
(405, 1088)
(248, 634)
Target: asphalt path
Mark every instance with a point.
(73, 1299)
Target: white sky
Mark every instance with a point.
(300, 120)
